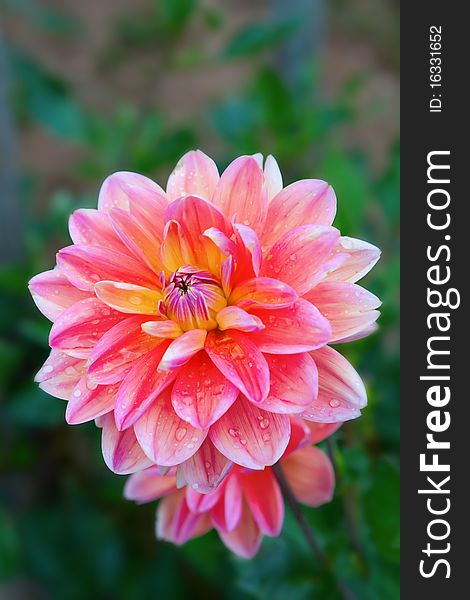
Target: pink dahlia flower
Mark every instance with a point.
(190, 323)
(247, 504)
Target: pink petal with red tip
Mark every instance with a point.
(128, 298)
(205, 469)
(250, 436)
(201, 393)
(348, 307)
(240, 360)
(341, 393)
(59, 375)
(272, 177)
(240, 193)
(294, 383)
(265, 500)
(84, 266)
(233, 317)
(195, 173)
(162, 329)
(114, 192)
(310, 474)
(263, 292)
(165, 438)
(307, 201)
(297, 328)
(176, 523)
(227, 512)
(141, 387)
(245, 539)
(148, 485)
(183, 349)
(115, 353)
(53, 293)
(91, 227)
(121, 451)
(80, 327)
(89, 401)
(301, 257)
(358, 258)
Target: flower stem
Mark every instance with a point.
(307, 531)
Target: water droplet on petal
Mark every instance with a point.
(180, 433)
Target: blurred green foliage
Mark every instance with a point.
(65, 531)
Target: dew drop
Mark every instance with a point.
(48, 369)
(136, 300)
(334, 403)
(264, 423)
(180, 433)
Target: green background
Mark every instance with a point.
(312, 83)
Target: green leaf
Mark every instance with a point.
(259, 36)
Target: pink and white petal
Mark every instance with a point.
(84, 266)
(240, 193)
(148, 485)
(166, 329)
(263, 292)
(121, 451)
(297, 328)
(233, 317)
(196, 173)
(250, 436)
(118, 349)
(176, 523)
(79, 328)
(91, 227)
(128, 297)
(294, 383)
(59, 375)
(114, 192)
(201, 393)
(53, 293)
(348, 307)
(341, 393)
(227, 512)
(141, 387)
(165, 438)
(359, 335)
(240, 360)
(272, 177)
(310, 475)
(245, 539)
(302, 256)
(89, 401)
(321, 431)
(182, 349)
(206, 468)
(200, 502)
(358, 259)
(265, 500)
(309, 201)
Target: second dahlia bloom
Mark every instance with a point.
(190, 323)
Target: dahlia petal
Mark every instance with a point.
(121, 451)
(59, 375)
(250, 436)
(114, 192)
(128, 298)
(299, 436)
(195, 173)
(248, 253)
(89, 401)
(86, 265)
(53, 293)
(264, 498)
(233, 317)
(359, 335)
(297, 328)
(310, 475)
(176, 523)
(115, 353)
(321, 431)
(341, 393)
(306, 201)
(175, 250)
(205, 469)
(162, 329)
(245, 539)
(148, 485)
(301, 256)
(201, 502)
(294, 383)
(201, 393)
(227, 512)
(91, 227)
(141, 387)
(240, 193)
(348, 307)
(79, 327)
(263, 292)
(272, 177)
(240, 360)
(165, 438)
(358, 259)
(183, 349)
